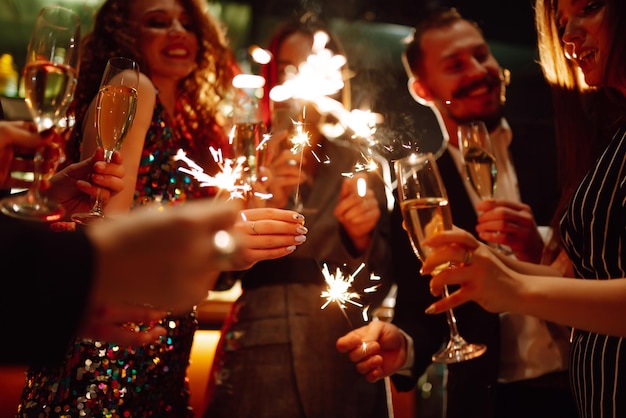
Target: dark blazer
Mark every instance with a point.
(429, 332)
(47, 278)
(471, 385)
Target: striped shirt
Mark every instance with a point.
(594, 235)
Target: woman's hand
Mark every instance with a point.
(512, 224)
(474, 266)
(76, 185)
(18, 142)
(357, 210)
(284, 171)
(269, 233)
(112, 323)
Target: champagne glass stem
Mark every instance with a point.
(97, 205)
(451, 319)
(34, 191)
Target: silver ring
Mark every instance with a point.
(467, 260)
(252, 226)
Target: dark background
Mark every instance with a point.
(507, 21)
(372, 32)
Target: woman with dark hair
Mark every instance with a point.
(277, 356)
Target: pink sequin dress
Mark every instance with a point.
(99, 379)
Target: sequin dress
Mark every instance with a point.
(105, 380)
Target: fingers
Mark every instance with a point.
(108, 176)
(357, 207)
(120, 324)
(490, 204)
(272, 214)
(170, 258)
(122, 335)
(455, 236)
(97, 176)
(363, 349)
(504, 217)
(20, 134)
(455, 299)
(273, 236)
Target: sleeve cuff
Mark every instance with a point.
(407, 367)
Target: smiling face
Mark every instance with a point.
(585, 37)
(459, 74)
(166, 38)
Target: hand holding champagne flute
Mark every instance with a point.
(50, 76)
(478, 158)
(115, 111)
(480, 163)
(426, 211)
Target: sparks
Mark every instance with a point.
(338, 287)
(338, 290)
(227, 179)
(317, 78)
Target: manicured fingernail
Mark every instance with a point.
(300, 238)
(299, 217)
(291, 248)
(302, 229)
(430, 309)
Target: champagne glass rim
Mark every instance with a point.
(55, 8)
(417, 155)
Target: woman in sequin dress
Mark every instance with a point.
(187, 69)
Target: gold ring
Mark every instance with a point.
(467, 260)
(252, 226)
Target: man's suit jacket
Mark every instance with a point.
(50, 275)
(429, 332)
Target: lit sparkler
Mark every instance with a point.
(338, 289)
(317, 78)
(228, 178)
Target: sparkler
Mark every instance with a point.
(338, 290)
(317, 78)
(227, 179)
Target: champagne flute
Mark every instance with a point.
(479, 160)
(426, 211)
(115, 111)
(50, 77)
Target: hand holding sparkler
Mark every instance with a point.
(285, 174)
(379, 349)
(357, 210)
